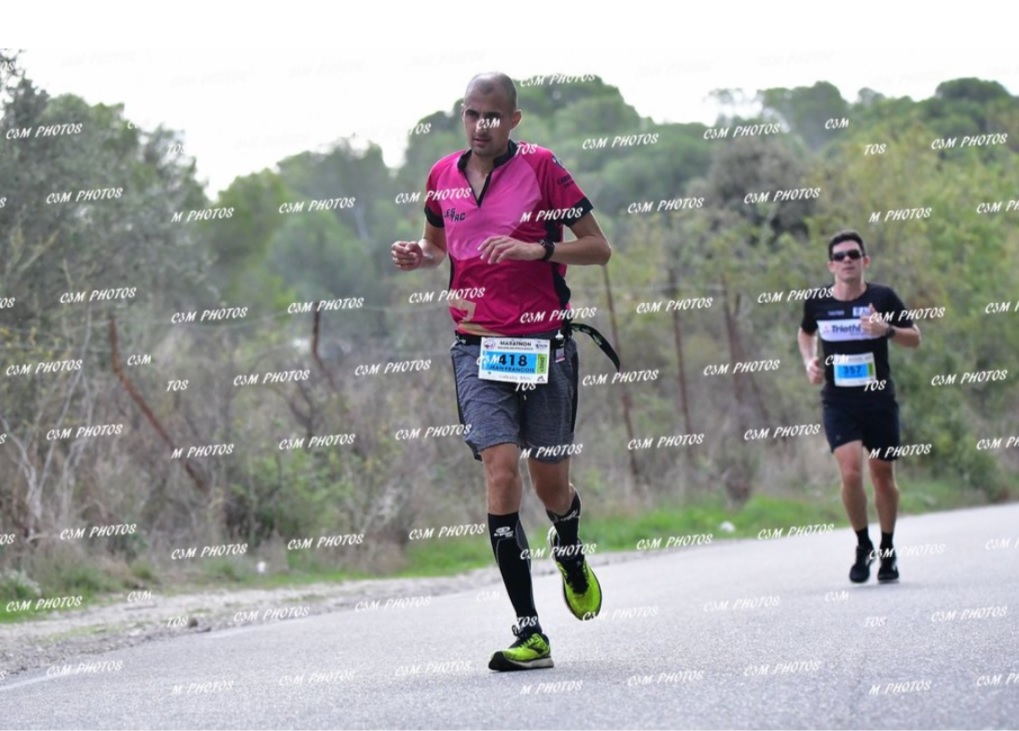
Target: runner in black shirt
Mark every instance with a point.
(856, 320)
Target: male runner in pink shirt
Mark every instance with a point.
(497, 211)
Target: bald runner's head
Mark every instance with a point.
(489, 115)
(492, 82)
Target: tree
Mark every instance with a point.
(106, 228)
(805, 110)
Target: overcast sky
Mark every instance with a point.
(249, 87)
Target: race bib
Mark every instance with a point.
(517, 360)
(854, 370)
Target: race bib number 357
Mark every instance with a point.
(517, 360)
(855, 370)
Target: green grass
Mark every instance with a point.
(445, 556)
(20, 615)
(623, 532)
(934, 495)
(705, 518)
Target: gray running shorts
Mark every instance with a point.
(541, 419)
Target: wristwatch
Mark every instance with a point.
(891, 332)
(549, 249)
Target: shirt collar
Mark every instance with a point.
(511, 150)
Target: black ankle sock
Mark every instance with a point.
(567, 526)
(508, 545)
(886, 540)
(863, 538)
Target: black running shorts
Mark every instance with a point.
(875, 423)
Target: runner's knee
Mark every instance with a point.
(501, 475)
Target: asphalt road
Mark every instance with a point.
(748, 634)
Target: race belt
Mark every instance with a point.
(525, 359)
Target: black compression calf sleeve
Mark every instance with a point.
(567, 527)
(509, 545)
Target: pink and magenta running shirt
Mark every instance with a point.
(528, 196)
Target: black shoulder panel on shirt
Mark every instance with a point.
(434, 219)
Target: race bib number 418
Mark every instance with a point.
(516, 360)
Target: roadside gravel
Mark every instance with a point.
(69, 637)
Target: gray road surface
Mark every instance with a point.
(748, 634)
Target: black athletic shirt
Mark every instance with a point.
(841, 335)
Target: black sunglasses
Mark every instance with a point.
(853, 254)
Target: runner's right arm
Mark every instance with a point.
(806, 338)
(428, 252)
(808, 351)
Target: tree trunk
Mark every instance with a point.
(627, 402)
(677, 334)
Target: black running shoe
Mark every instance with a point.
(860, 571)
(888, 572)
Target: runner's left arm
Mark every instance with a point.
(907, 334)
(590, 246)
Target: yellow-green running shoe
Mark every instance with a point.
(581, 589)
(530, 652)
